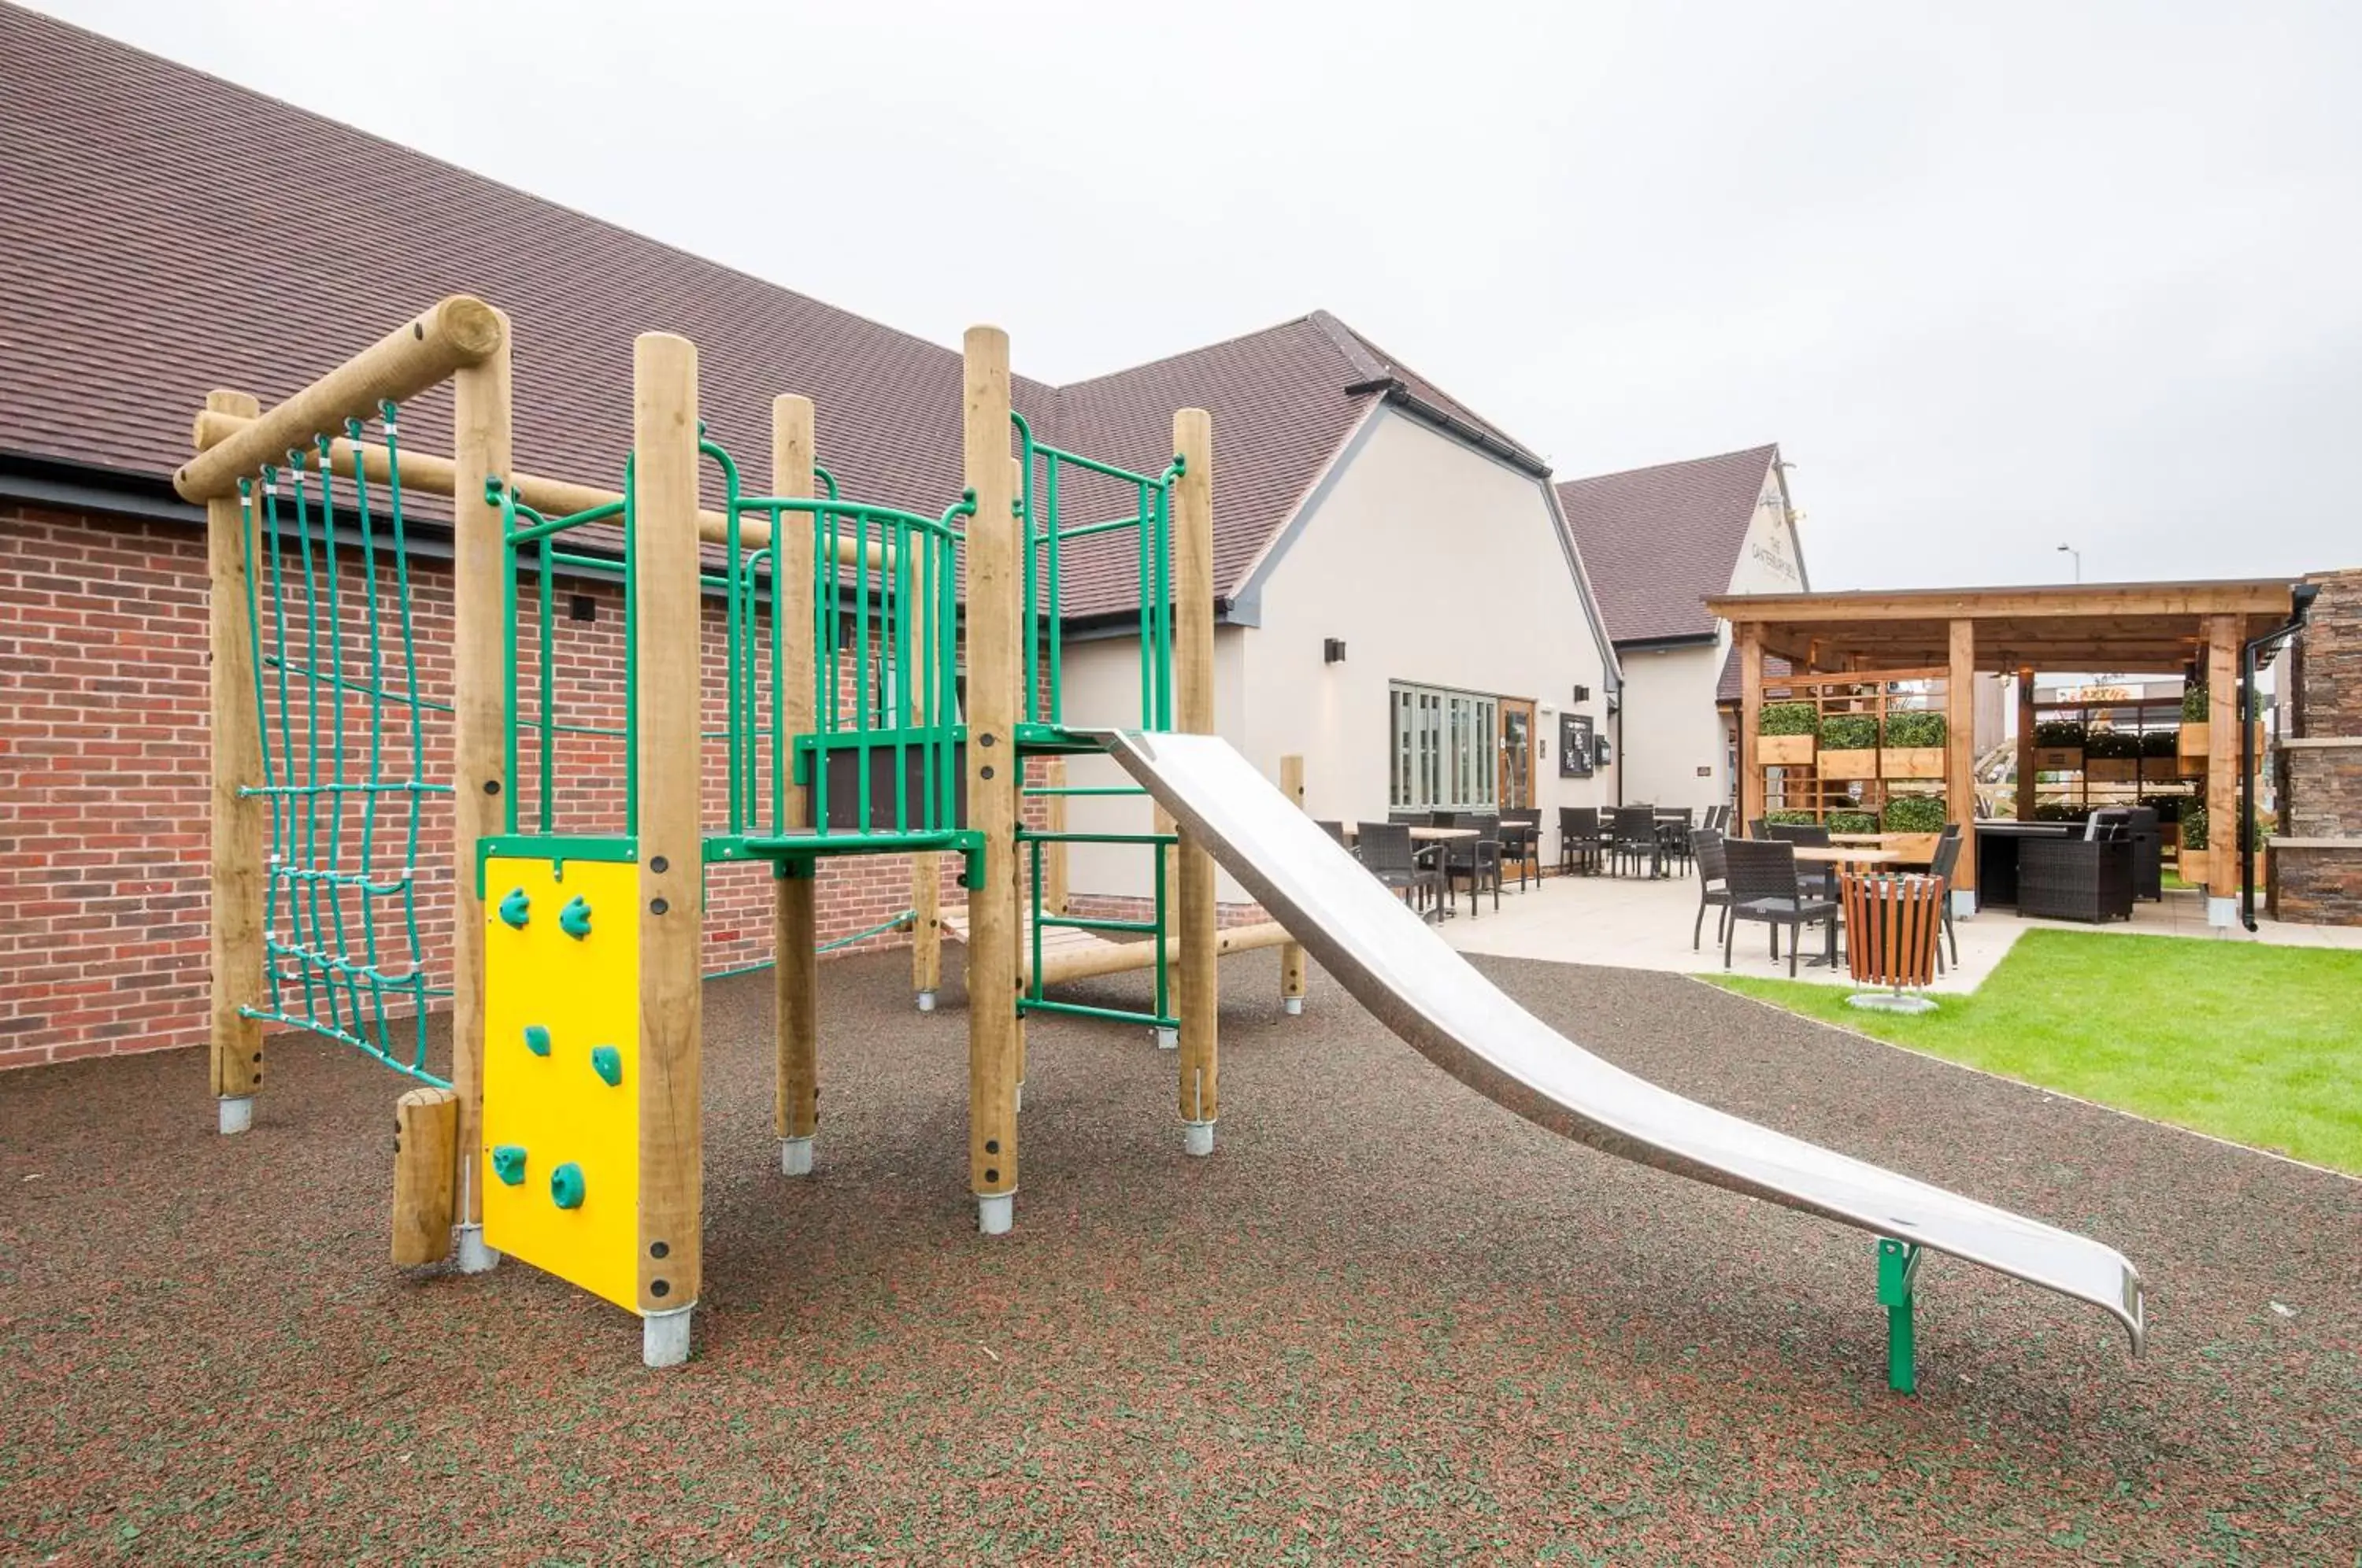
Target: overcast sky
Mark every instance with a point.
(1996, 277)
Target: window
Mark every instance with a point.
(1444, 748)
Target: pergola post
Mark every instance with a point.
(2026, 722)
(2222, 721)
(1961, 758)
(1750, 714)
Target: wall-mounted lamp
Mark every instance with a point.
(1606, 754)
(1583, 694)
(1332, 650)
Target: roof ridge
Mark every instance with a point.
(1187, 353)
(1378, 364)
(1676, 463)
(1356, 348)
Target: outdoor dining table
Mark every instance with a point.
(1430, 836)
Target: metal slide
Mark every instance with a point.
(1401, 970)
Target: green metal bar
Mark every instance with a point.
(262, 708)
(861, 666)
(1024, 833)
(1147, 638)
(1057, 601)
(511, 669)
(900, 603)
(545, 787)
(1898, 1270)
(1092, 530)
(631, 649)
(1163, 512)
(310, 848)
(1159, 1019)
(1034, 975)
(1164, 971)
(1092, 464)
(1085, 790)
(544, 529)
(389, 419)
(732, 549)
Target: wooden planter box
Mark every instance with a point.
(2112, 769)
(1912, 762)
(1849, 764)
(2193, 744)
(2059, 759)
(1783, 751)
(1916, 848)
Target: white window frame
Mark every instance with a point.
(1444, 748)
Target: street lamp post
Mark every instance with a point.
(2071, 551)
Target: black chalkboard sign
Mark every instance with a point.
(1577, 752)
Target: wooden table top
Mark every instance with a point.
(1843, 854)
(1422, 834)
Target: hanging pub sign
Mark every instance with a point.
(1575, 748)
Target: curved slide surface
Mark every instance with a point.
(1397, 966)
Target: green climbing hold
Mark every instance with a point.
(574, 919)
(608, 1062)
(537, 1039)
(508, 1164)
(515, 909)
(566, 1186)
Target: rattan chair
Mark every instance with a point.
(1942, 866)
(1714, 884)
(1811, 834)
(2088, 879)
(1764, 888)
(1579, 839)
(1388, 854)
(1476, 859)
(1337, 832)
(1632, 838)
(1521, 847)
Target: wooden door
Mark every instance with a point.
(1516, 783)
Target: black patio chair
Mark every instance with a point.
(2088, 879)
(1714, 884)
(2149, 855)
(1388, 854)
(1812, 835)
(1945, 863)
(1632, 838)
(1337, 832)
(1478, 859)
(1674, 831)
(1758, 828)
(1521, 847)
(1578, 839)
(1764, 888)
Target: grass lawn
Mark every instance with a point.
(2262, 1045)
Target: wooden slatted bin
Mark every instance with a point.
(1892, 923)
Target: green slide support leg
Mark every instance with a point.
(1898, 1280)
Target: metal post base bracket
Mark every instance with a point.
(1898, 1282)
(237, 1113)
(1198, 1138)
(467, 1246)
(926, 1001)
(1890, 1001)
(1167, 1039)
(1292, 1006)
(996, 1213)
(663, 1337)
(795, 1156)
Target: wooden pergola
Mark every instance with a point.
(2168, 628)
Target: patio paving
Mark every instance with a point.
(1627, 923)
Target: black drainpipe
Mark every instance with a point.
(2300, 600)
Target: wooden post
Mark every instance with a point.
(1751, 717)
(1053, 856)
(238, 820)
(481, 448)
(795, 1110)
(2222, 721)
(425, 1130)
(994, 773)
(2025, 723)
(1193, 689)
(1291, 957)
(667, 626)
(1960, 757)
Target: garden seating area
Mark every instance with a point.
(1429, 857)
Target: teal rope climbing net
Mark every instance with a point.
(343, 950)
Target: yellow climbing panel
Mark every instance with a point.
(560, 1164)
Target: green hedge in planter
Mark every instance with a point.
(2159, 743)
(2059, 732)
(1792, 815)
(1916, 814)
(2112, 743)
(2195, 701)
(1788, 719)
(2194, 835)
(1913, 728)
(1854, 821)
(1849, 731)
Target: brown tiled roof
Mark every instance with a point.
(1658, 541)
(1726, 690)
(166, 232)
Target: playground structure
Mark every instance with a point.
(568, 1130)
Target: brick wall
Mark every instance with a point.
(2316, 883)
(104, 792)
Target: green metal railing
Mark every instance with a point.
(1043, 484)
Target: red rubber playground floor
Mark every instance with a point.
(1386, 1321)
